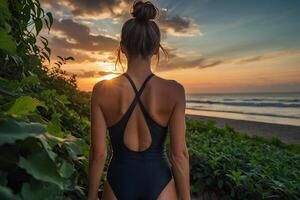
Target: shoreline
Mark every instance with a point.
(286, 133)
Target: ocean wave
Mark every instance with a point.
(248, 113)
(265, 99)
(253, 104)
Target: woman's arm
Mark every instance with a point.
(98, 151)
(179, 156)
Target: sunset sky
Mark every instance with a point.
(214, 46)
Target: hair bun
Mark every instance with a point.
(144, 11)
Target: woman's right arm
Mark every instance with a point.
(98, 151)
(179, 156)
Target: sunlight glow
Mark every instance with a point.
(108, 77)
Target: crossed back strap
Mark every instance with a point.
(137, 100)
(139, 92)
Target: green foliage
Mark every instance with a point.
(6, 193)
(234, 166)
(7, 42)
(24, 105)
(44, 122)
(41, 167)
(11, 130)
(38, 191)
(54, 126)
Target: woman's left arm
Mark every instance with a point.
(98, 151)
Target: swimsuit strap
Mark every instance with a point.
(140, 91)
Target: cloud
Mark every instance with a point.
(51, 4)
(178, 62)
(98, 9)
(71, 38)
(184, 63)
(79, 56)
(267, 56)
(91, 74)
(76, 35)
(178, 25)
(119, 10)
(93, 9)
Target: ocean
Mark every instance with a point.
(279, 108)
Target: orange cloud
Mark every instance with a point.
(92, 74)
(267, 56)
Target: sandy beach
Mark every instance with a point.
(286, 133)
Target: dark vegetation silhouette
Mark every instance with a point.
(44, 120)
(44, 129)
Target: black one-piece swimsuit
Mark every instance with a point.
(138, 175)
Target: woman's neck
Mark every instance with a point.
(139, 67)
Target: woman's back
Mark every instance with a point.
(157, 98)
(137, 119)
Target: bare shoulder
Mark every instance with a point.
(98, 87)
(105, 87)
(175, 88)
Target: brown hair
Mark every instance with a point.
(140, 35)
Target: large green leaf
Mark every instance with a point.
(49, 14)
(7, 42)
(39, 190)
(74, 146)
(11, 130)
(42, 167)
(7, 194)
(66, 169)
(54, 127)
(38, 25)
(47, 145)
(24, 105)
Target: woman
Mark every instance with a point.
(137, 108)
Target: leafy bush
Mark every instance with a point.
(231, 165)
(44, 121)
